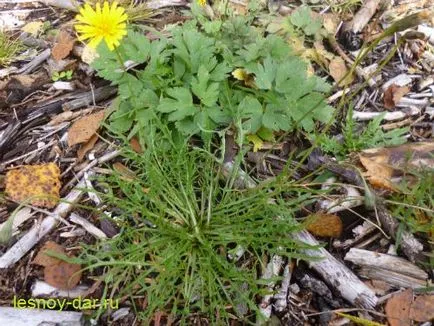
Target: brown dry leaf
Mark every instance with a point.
(325, 225)
(45, 260)
(83, 129)
(40, 184)
(422, 308)
(393, 95)
(125, 172)
(63, 275)
(135, 145)
(57, 272)
(86, 147)
(63, 46)
(384, 163)
(398, 308)
(378, 172)
(338, 70)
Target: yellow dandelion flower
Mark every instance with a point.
(201, 2)
(106, 23)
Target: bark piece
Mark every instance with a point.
(393, 278)
(386, 262)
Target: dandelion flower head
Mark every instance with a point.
(107, 23)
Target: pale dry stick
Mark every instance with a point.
(102, 159)
(362, 17)
(281, 296)
(32, 65)
(384, 261)
(395, 278)
(388, 116)
(89, 227)
(26, 317)
(37, 232)
(337, 275)
(272, 270)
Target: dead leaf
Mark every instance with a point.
(33, 28)
(124, 171)
(63, 46)
(89, 54)
(63, 275)
(338, 70)
(325, 225)
(398, 308)
(393, 95)
(40, 184)
(385, 164)
(83, 129)
(45, 260)
(378, 172)
(422, 308)
(86, 147)
(57, 272)
(135, 145)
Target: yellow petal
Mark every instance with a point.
(257, 142)
(239, 74)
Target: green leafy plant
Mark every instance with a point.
(9, 48)
(354, 139)
(180, 219)
(302, 20)
(414, 204)
(67, 75)
(186, 80)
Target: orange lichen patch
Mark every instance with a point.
(38, 185)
